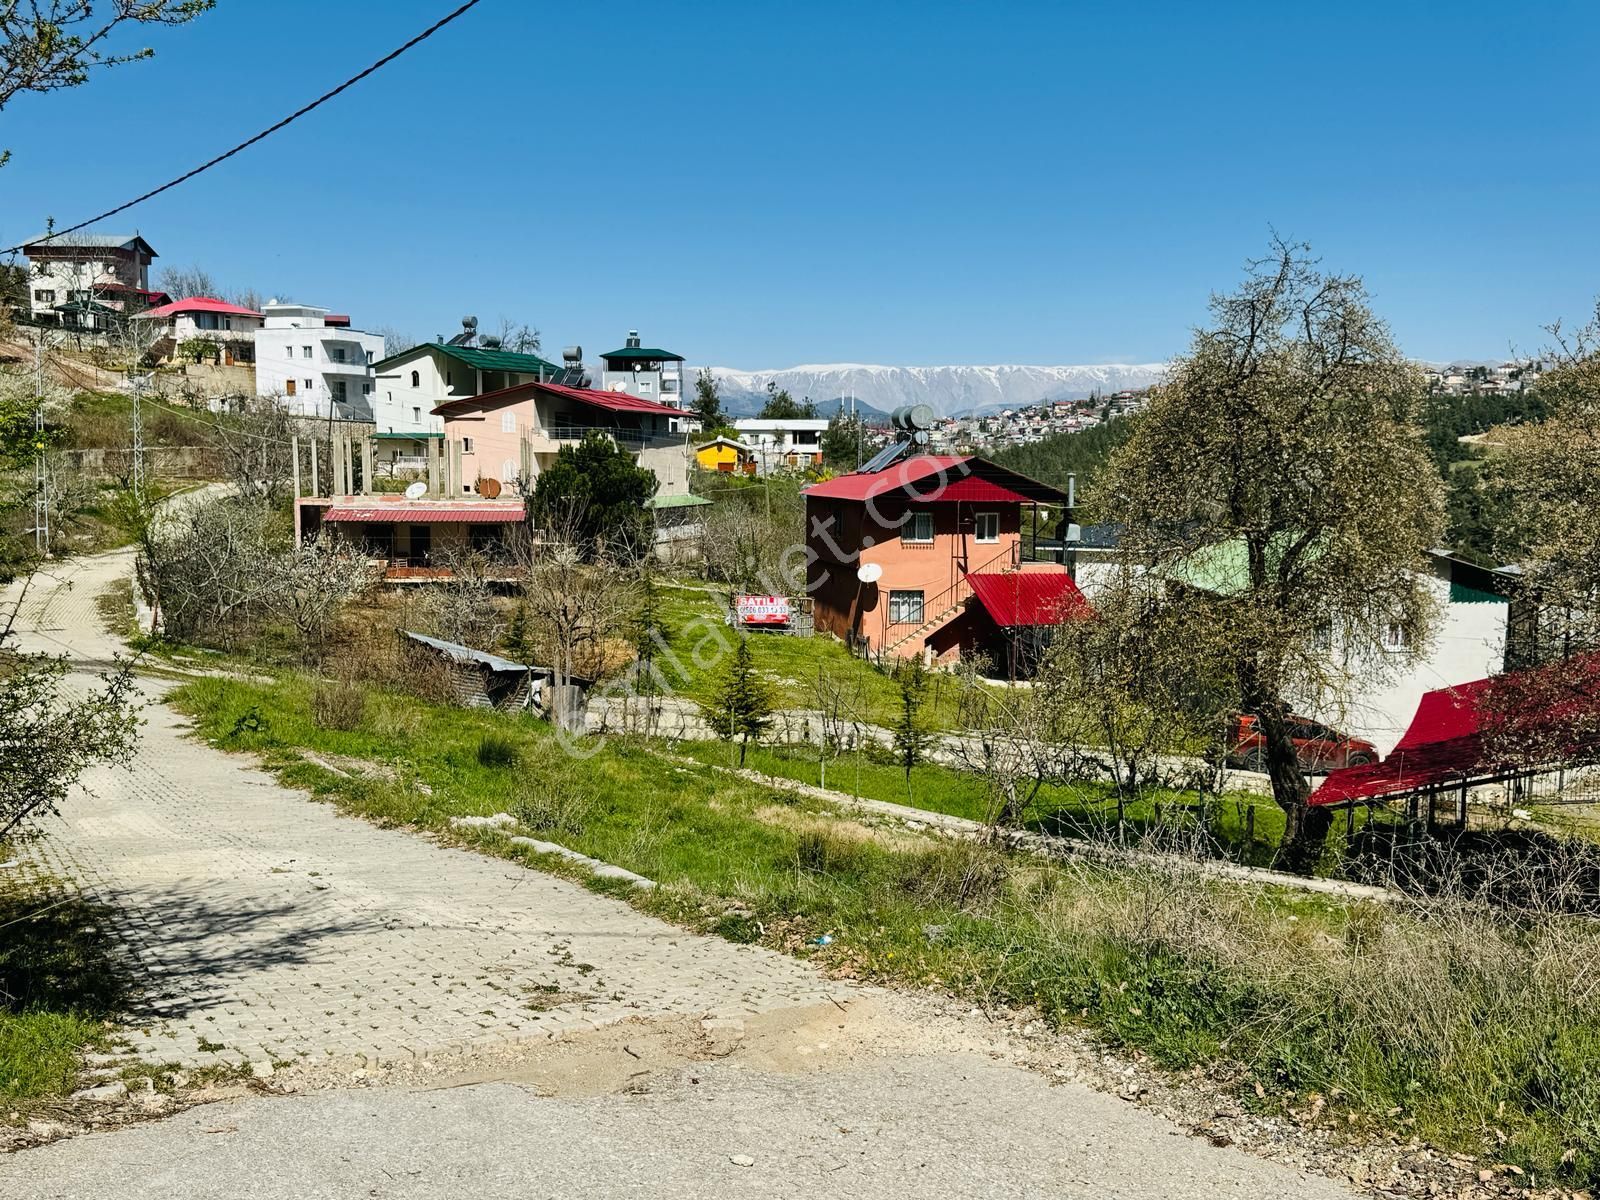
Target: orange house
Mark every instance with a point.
(927, 556)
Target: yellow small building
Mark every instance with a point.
(726, 455)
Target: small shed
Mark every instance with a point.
(483, 680)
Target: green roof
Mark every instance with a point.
(1224, 567)
(684, 501)
(632, 353)
(1461, 593)
(483, 360)
(410, 437)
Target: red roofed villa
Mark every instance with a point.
(231, 327)
(927, 556)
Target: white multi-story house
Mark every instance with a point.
(77, 266)
(203, 321)
(315, 362)
(408, 386)
(783, 444)
(645, 372)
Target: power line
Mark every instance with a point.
(292, 117)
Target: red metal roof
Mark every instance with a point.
(932, 477)
(612, 401)
(893, 478)
(1443, 743)
(1016, 598)
(455, 512)
(194, 304)
(340, 320)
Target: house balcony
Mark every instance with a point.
(359, 366)
(628, 439)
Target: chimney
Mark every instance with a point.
(633, 339)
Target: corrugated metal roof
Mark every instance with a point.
(1015, 598)
(683, 501)
(636, 353)
(481, 359)
(609, 401)
(466, 654)
(88, 241)
(907, 471)
(194, 304)
(423, 512)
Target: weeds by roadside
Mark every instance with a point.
(1441, 1018)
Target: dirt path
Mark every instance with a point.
(532, 1037)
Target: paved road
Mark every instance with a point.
(265, 925)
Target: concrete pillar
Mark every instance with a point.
(294, 457)
(435, 447)
(366, 466)
(456, 481)
(316, 477)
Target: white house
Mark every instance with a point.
(75, 266)
(315, 362)
(781, 444)
(197, 320)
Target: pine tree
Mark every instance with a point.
(742, 705)
(708, 400)
(910, 733)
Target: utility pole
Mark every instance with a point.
(41, 478)
(138, 442)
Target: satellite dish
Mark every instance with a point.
(488, 487)
(869, 572)
(417, 490)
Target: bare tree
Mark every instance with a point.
(573, 602)
(1279, 481)
(517, 336)
(395, 341)
(182, 283)
(213, 568)
(257, 444)
(840, 693)
(322, 576)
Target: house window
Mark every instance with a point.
(646, 386)
(905, 608)
(508, 421)
(366, 389)
(336, 353)
(288, 387)
(1395, 637)
(44, 295)
(918, 528)
(305, 351)
(988, 527)
(416, 415)
(289, 350)
(338, 390)
(369, 355)
(311, 385)
(466, 445)
(416, 379)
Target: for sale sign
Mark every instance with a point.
(762, 610)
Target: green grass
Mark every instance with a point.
(1387, 1016)
(694, 621)
(58, 985)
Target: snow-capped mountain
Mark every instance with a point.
(947, 390)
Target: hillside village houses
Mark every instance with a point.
(648, 373)
(787, 444)
(85, 280)
(315, 362)
(202, 321)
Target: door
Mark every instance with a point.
(288, 387)
(421, 545)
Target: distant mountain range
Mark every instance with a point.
(949, 391)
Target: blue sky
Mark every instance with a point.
(760, 185)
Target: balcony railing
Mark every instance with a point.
(631, 439)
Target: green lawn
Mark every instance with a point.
(58, 984)
(695, 622)
(1386, 1016)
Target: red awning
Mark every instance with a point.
(1016, 598)
(428, 514)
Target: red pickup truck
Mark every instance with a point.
(1318, 748)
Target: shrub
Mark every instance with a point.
(562, 803)
(497, 750)
(823, 852)
(340, 705)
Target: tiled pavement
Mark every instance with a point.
(264, 925)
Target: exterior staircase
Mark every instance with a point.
(954, 598)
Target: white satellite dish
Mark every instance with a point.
(417, 490)
(869, 572)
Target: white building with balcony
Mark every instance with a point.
(648, 373)
(315, 362)
(783, 444)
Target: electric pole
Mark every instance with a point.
(41, 478)
(138, 442)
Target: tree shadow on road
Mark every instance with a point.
(57, 951)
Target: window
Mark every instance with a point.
(466, 445)
(508, 421)
(366, 389)
(416, 415)
(305, 351)
(369, 355)
(336, 353)
(288, 387)
(45, 295)
(905, 608)
(918, 528)
(646, 386)
(338, 390)
(227, 322)
(311, 385)
(289, 350)
(1395, 638)
(987, 527)
(416, 379)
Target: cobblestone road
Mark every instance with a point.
(263, 925)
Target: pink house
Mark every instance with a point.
(928, 556)
(512, 434)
